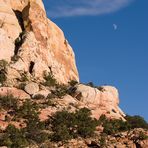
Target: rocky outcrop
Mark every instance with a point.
(104, 101)
(33, 44)
(17, 93)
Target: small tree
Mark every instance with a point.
(9, 102)
(50, 80)
(67, 125)
(136, 122)
(14, 138)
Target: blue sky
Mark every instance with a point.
(108, 55)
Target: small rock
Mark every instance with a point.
(44, 93)
(32, 88)
(17, 93)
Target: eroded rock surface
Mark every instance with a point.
(34, 43)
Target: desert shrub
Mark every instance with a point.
(3, 65)
(24, 77)
(15, 58)
(8, 102)
(38, 97)
(2, 77)
(101, 88)
(51, 96)
(71, 125)
(86, 125)
(102, 140)
(91, 84)
(28, 110)
(73, 83)
(112, 126)
(13, 138)
(33, 130)
(142, 136)
(34, 126)
(50, 80)
(60, 91)
(21, 86)
(136, 122)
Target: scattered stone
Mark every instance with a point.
(32, 88)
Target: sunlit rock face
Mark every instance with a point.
(34, 46)
(35, 40)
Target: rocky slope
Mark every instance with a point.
(32, 46)
(36, 63)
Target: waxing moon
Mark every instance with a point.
(115, 26)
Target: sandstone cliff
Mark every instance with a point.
(33, 44)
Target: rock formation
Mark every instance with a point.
(31, 43)
(37, 64)
(31, 46)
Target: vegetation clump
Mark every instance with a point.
(3, 65)
(50, 80)
(67, 125)
(33, 130)
(136, 122)
(8, 102)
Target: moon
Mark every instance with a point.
(115, 26)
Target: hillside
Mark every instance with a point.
(42, 102)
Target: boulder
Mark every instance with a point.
(100, 102)
(17, 93)
(32, 88)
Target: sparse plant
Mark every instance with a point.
(136, 122)
(60, 91)
(73, 83)
(101, 88)
(112, 126)
(3, 64)
(38, 97)
(102, 140)
(91, 84)
(22, 86)
(2, 77)
(8, 102)
(50, 80)
(24, 77)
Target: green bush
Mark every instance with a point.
(3, 65)
(102, 140)
(50, 80)
(136, 122)
(67, 125)
(28, 110)
(2, 77)
(8, 102)
(73, 83)
(38, 97)
(60, 91)
(112, 126)
(101, 88)
(142, 136)
(14, 138)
